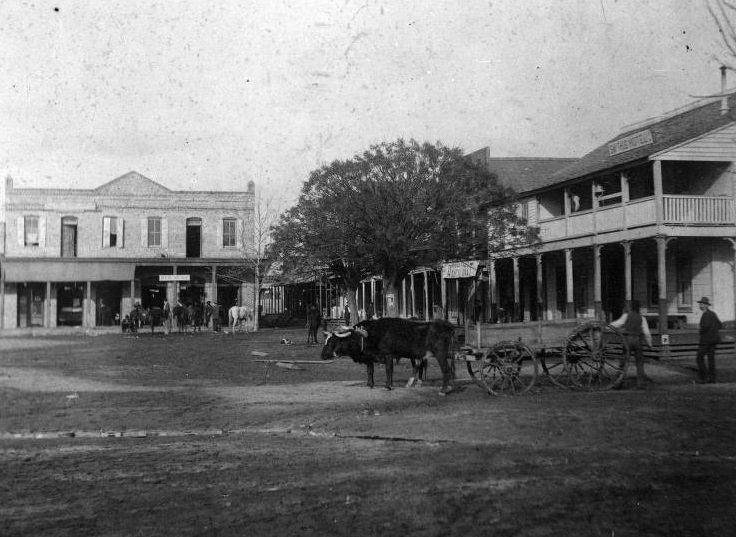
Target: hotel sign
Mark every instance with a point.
(639, 139)
(463, 269)
(173, 277)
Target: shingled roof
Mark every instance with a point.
(665, 133)
(519, 173)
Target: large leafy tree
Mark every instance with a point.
(396, 207)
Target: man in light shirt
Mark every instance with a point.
(635, 329)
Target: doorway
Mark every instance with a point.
(30, 305)
(69, 236)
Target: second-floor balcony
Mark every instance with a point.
(673, 210)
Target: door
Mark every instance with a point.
(194, 237)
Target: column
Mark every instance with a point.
(597, 293)
(658, 192)
(443, 292)
(87, 310)
(492, 290)
(733, 246)
(627, 270)
(47, 306)
(662, 282)
(570, 305)
(213, 295)
(517, 291)
(540, 289)
(413, 296)
(373, 295)
(427, 316)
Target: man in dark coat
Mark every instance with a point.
(710, 324)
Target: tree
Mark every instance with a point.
(396, 207)
(723, 13)
(257, 260)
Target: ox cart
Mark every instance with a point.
(509, 358)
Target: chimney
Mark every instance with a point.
(724, 97)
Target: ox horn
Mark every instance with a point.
(362, 332)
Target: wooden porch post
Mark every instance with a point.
(492, 290)
(443, 291)
(47, 306)
(87, 310)
(597, 294)
(662, 281)
(517, 292)
(426, 297)
(540, 285)
(213, 298)
(403, 297)
(658, 192)
(570, 297)
(412, 291)
(627, 270)
(733, 247)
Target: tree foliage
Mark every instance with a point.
(396, 207)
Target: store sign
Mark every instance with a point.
(633, 141)
(173, 277)
(462, 269)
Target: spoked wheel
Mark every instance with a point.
(595, 357)
(553, 365)
(508, 367)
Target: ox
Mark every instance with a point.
(238, 315)
(386, 339)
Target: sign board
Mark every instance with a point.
(633, 141)
(173, 277)
(462, 269)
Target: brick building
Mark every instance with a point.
(85, 257)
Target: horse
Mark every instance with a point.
(237, 315)
(314, 319)
(181, 316)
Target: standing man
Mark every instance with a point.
(347, 315)
(635, 329)
(710, 324)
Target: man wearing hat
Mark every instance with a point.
(709, 338)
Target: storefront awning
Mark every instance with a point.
(67, 271)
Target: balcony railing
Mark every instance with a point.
(698, 210)
(683, 210)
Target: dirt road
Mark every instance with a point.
(187, 435)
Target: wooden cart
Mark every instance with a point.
(590, 355)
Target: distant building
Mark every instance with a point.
(86, 257)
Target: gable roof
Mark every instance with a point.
(132, 183)
(665, 133)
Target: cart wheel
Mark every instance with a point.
(553, 365)
(595, 357)
(510, 368)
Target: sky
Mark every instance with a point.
(210, 95)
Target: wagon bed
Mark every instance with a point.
(507, 358)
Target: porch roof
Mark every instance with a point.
(674, 129)
(61, 271)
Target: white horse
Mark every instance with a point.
(237, 315)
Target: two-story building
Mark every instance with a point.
(86, 257)
(648, 215)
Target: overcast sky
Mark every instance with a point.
(208, 95)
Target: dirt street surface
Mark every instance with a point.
(190, 435)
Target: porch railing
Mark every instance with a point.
(698, 210)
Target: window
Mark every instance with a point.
(30, 231)
(229, 233)
(112, 232)
(154, 232)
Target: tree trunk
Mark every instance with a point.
(391, 294)
(257, 298)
